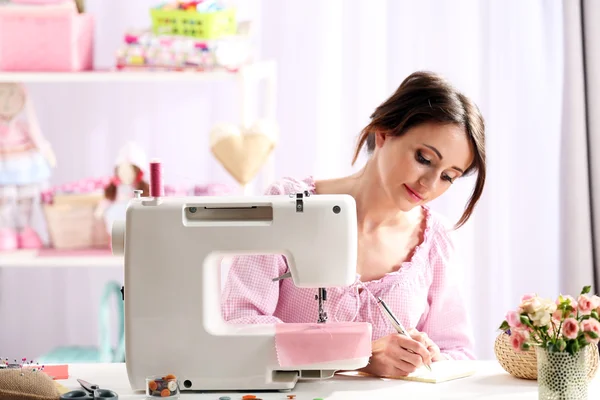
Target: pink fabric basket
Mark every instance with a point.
(58, 40)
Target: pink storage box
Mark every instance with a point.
(45, 38)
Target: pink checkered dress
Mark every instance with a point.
(424, 293)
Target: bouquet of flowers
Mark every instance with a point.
(566, 324)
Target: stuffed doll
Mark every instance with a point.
(26, 159)
(129, 174)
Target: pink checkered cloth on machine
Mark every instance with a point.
(424, 293)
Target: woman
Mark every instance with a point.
(421, 140)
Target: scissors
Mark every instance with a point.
(90, 391)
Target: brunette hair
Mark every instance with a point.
(110, 191)
(426, 97)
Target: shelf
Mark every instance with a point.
(131, 75)
(66, 258)
(113, 76)
(58, 258)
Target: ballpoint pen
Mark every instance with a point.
(396, 323)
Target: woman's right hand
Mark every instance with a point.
(391, 356)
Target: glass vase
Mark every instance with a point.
(562, 376)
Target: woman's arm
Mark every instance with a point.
(447, 323)
(250, 295)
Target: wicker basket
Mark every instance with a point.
(524, 364)
(72, 224)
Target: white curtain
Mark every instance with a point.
(337, 60)
(507, 56)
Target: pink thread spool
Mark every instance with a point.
(156, 187)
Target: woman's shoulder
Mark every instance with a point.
(290, 185)
(441, 232)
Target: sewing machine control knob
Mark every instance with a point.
(118, 238)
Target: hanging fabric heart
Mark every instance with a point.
(243, 152)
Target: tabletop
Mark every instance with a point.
(490, 382)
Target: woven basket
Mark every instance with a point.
(72, 224)
(524, 364)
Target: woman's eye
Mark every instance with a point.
(447, 178)
(422, 159)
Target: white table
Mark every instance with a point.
(490, 382)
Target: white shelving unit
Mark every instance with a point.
(247, 77)
(257, 70)
(33, 259)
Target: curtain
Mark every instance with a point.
(580, 133)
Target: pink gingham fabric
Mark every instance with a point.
(425, 293)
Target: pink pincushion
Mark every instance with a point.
(301, 344)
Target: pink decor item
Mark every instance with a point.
(302, 344)
(29, 239)
(8, 240)
(45, 38)
(41, 2)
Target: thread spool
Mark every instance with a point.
(156, 187)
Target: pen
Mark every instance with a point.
(396, 323)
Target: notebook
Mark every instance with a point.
(441, 371)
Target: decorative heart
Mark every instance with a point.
(243, 152)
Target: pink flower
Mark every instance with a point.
(596, 303)
(591, 325)
(514, 319)
(518, 338)
(527, 297)
(570, 328)
(584, 305)
(557, 315)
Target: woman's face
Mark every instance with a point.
(419, 166)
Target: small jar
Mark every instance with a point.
(164, 386)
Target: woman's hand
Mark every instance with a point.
(422, 338)
(391, 356)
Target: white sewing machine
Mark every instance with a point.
(172, 249)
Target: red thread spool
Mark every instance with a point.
(156, 187)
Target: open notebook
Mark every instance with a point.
(441, 371)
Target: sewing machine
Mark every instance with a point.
(172, 250)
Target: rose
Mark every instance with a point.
(570, 328)
(591, 330)
(527, 297)
(557, 316)
(514, 319)
(518, 339)
(539, 310)
(584, 305)
(596, 303)
(531, 305)
(541, 318)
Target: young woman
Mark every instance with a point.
(420, 140)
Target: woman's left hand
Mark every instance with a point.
(433, 348)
